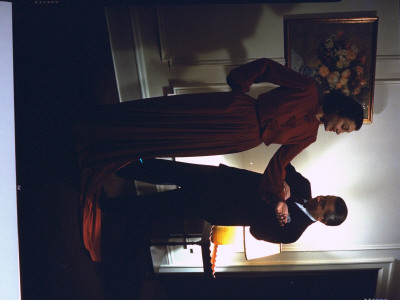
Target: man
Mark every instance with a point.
(229, 196)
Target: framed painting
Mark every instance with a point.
(338, 53)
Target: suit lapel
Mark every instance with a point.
(297, 215)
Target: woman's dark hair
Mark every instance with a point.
(339, 215)
(344, 106)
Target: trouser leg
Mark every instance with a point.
(164, 205)
(160, 171)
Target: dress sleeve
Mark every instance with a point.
(271, 186)
(265, 70)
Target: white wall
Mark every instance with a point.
(194, 46)
(9, 258)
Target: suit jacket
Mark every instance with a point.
(223, 196)
(236, 202)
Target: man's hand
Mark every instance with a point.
(282, 212)
(286, 190)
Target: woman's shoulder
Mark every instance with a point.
(311, 87)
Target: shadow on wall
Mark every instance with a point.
(190, 32)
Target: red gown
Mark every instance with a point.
(198, 125)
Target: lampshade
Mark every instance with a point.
(223, 235)
(254, 248)
(241, 238)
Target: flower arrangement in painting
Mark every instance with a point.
(341, 66)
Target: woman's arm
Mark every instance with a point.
(271, 186)
(265, 70)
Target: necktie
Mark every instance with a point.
(299, 200)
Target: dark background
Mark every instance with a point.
(63, 65)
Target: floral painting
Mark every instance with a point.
(338, 53)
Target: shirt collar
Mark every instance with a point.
(305, 211)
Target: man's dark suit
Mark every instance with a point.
(220, 195)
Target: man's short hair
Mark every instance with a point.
(339, 215)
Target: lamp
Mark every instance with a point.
(220, 235)
(239, 237)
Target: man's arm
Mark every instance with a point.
(266, 227)
(269, 232)
(299, 185)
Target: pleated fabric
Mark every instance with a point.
(113, 136)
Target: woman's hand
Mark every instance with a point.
(282, 212)
(286, 190)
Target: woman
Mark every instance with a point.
(209, 124)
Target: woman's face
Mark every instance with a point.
(337, 124)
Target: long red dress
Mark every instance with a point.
(196, 125)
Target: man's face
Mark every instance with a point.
(337, 124)
(320, 206)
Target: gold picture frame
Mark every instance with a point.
(339, 53)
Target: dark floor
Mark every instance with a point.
(63, 65)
